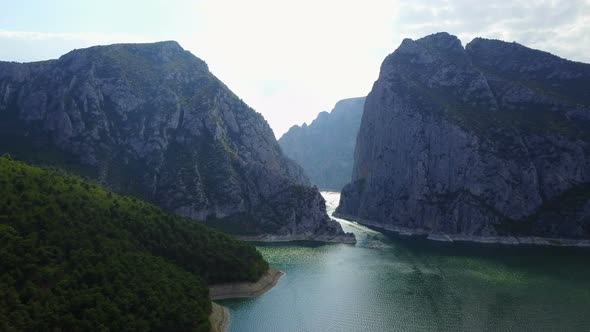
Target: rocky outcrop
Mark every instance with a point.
(325, 148)
(482, 141)
(152, 121)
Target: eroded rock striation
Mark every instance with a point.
(152, 121)
(487, 141)
(325, 148)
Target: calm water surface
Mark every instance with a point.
(384, 283)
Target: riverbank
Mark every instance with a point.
(346, 239)
(443, 237)
(245, 289)
(219, 317)
(512, 240)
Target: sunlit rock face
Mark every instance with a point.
(491, 139)
(152, 121)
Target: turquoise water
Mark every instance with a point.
(384, 283)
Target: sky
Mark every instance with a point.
(289, 60)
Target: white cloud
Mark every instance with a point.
(85, 37)
(34, 46)
(327, 50)
(561, 27)
(293, 59)
(323, 51)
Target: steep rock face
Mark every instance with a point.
(490, 140)
(152, 121)
(325, 148)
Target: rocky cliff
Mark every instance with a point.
(490, 140)
(325, 148)
(152, 121)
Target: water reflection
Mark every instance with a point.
(387, 283)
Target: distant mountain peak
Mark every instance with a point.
(441, 40)
(167, 45)
(325, 147)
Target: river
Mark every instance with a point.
(388, 283)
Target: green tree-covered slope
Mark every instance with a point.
(76, 257)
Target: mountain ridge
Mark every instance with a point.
(76, 256)
(474, 141)
(151, 120)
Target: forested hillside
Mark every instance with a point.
(76, 257)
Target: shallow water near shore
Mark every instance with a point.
(388, 283)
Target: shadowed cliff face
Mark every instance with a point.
(487, 140)
(152, 121)
(325, 148)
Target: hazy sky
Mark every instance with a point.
(289, 60)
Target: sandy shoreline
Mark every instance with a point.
(505, 240)
(219, 317)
